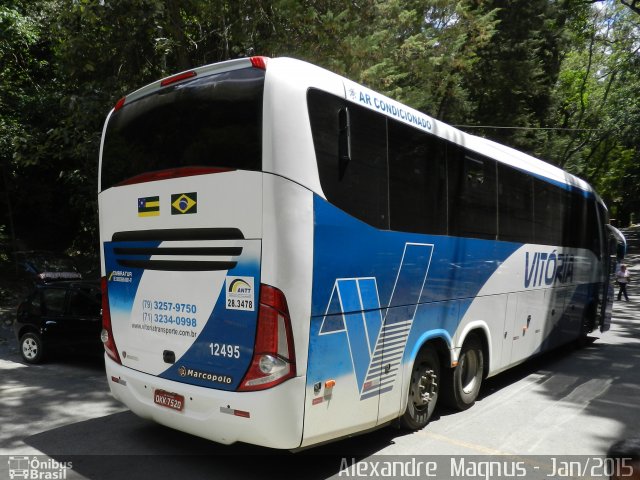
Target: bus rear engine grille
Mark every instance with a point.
(203, 258)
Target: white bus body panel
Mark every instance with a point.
(275, 415)
(525, 300)
(141, 338)
(287, 259)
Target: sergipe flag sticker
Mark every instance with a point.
(149, 206)
(183, 203)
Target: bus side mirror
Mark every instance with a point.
(344, 141)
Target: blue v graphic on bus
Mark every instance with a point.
(377, 339)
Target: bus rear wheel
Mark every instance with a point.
(423, 391)
(463, 384)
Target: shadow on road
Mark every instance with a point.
(605, 382)
(123, 445)
(601, 380)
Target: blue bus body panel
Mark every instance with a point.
(375, 292)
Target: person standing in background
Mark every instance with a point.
(622, 277)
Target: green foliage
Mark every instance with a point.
(516, 73)
(596, 100)
(416, 51)
(537, 65)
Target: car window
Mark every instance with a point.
(81, 304)
(34, 305)
(53, 301)
(43, 263)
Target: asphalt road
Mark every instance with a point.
(568, 402)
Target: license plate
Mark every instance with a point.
(169, 400)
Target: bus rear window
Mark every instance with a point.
(213, 121)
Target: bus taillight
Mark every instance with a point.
(274, 356)
(120, 104)
(177, 78)
(107, 333)
(259, 62)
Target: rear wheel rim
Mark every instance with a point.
(30, 348)
(425, 389)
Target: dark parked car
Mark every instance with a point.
(59, 316)
(42, 266)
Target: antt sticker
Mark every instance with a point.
(240, 293)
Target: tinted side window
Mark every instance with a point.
(82, 305)
(35, 304)
(359, 186)
(550, 208)
(583, 230)
(594, 229)
(576, 220)
(515, 205)
(472, 195)
(417, 180)
(53, 301)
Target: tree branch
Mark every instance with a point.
(632, 4)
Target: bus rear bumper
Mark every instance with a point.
(271, 418)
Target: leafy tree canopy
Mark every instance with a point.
(558, 79)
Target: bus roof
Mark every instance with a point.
(502, 153)
(523, 161)
(202, 71)
(283, 66)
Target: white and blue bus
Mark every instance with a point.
(289, 257)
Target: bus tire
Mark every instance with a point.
(423, 390)
(462, 385)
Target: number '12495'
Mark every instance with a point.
(224, 350)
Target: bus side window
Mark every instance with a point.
(549, 211)
(592, 239)
(515, 205)
(360, 185)
(473, 204)
(417, 180)
(584, 230)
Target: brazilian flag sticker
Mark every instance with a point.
(182, 203)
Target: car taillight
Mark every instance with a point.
(107, 333)
(274, 359)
